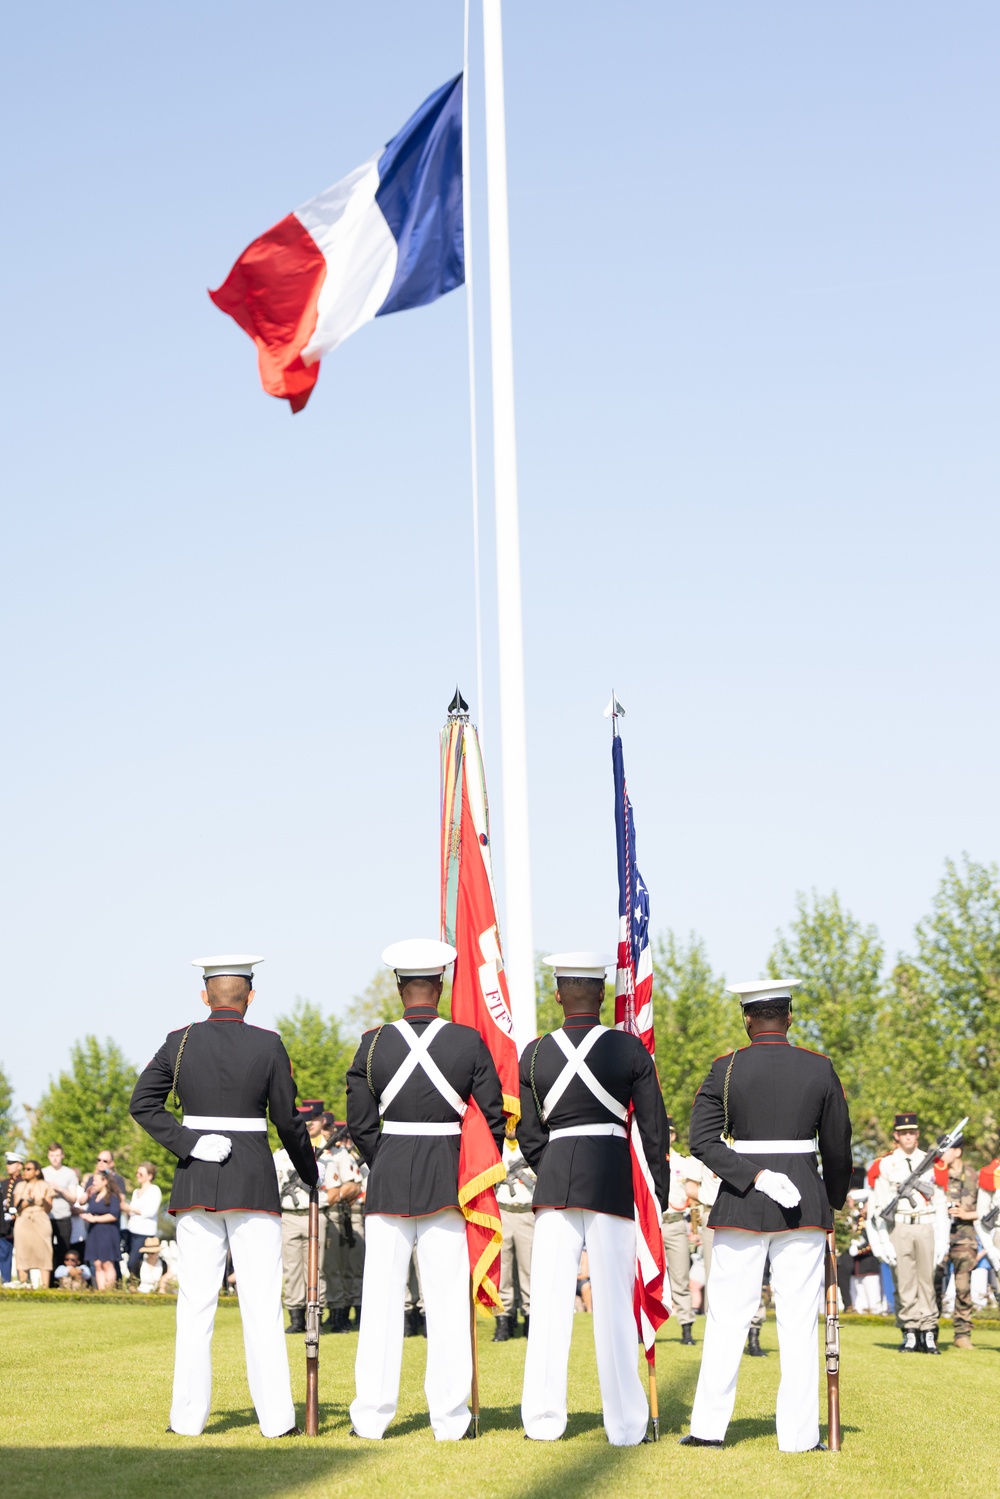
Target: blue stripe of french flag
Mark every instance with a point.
(385, 238)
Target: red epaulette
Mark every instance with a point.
(875, 1169)
(988, 1176)
(940, 1174)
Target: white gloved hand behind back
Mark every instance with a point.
(779, 1187)
(214, 1148)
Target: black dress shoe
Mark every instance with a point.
(692, 1441)
(819, 1447)
(293, 1431)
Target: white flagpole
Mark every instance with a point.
(470, 324)
(518, 943)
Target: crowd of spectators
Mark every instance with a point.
(60, 1231)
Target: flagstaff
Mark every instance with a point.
(518, 939)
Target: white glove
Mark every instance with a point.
(880, 1244)
(211, 1148)
(780, 1188)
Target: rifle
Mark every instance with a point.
(312, 1318)
(911, 1186)
(832, 1346)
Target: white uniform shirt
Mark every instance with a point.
(893, 1171)
(344, 1171)
(680, 1172)
(293, 1192)
(516, 1197)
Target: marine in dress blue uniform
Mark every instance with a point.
(229, 1076)
(407, 1092)
(780, 1105)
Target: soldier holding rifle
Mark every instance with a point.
(229, 1076)
(778, 1107)
(908, 1229)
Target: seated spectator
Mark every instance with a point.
(32, 1226)
(141, 1215)
(71, 1275)
(152, 1269)
(102, 1214)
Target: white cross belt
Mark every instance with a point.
(576, 1066)
(420, 1057)
(775, 1147)
(232, 1124)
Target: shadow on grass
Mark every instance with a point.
(749, 1428)
(332, 1417)
(193, 1467)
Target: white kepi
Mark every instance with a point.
(759, 990)
(238, 964)
(579, 965)
(419, 957)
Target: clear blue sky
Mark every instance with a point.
(755, 256)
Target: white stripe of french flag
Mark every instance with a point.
(385, 238)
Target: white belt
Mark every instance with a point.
(237, 1125)
(403, 1127)
(775, 1147)
(588, 1129)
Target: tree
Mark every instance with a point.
(9, 1133)
(695, 1021)
(838, 1007)
(319, 1053)
(944, 1006)
(86, 1110)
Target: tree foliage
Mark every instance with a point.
(86, 1110)
(837, 1008)
(9, 1133)
(320, 1054)
(695, 1021)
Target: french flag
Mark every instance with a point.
(386, 237)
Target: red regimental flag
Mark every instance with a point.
(479, 995)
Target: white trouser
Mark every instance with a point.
(443, 1259)
(254, 1240)
(561, 1235)
(738, 1260)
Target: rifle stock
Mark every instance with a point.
(312, 1318)
(832, 1346)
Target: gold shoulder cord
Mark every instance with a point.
(726, 1133)
(177, 1064)
(531, 1077)
(368, 1065)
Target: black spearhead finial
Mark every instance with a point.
(458, 707)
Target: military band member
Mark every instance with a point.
(775, 1102)
(919, 1238)
(229, 1076)
(576, 1088)
(514, 1198)
(293, 1194)
(676, 1245)
(407, 1091)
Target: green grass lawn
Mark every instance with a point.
(85, 1391)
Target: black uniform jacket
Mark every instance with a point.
(233, 1070)
(413, 1175)
(776, 1092)
(593, 1172)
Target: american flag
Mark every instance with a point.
(634, 1013)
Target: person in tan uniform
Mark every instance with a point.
(919, 1238)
